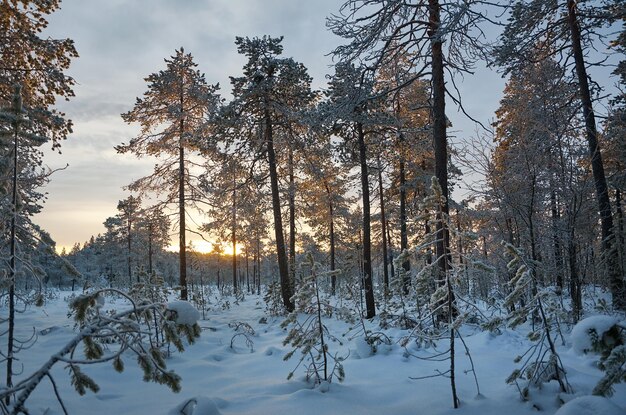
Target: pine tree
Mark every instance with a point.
(129, 210)
(562, 30)
(37, 63)
(325, 193)
(435, 37)
(351, 109)
(266, 98)
(172, 114)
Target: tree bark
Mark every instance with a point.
(383, 226)
(556, 242)
(182, 244)
(129, 247)
(331, 231)
(404, 239)
(620, 231)
(150, 225)
(234, 233)
(292, 219)
(368, 286)
(439, 132)
(597, 166)
(285, 283)
(13, 263)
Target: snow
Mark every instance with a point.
(218, 379)
(580, 337)
(186, 313)
(590, 405)
(200, 405)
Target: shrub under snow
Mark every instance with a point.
(185, 313)
(586, 330)
(590, 405)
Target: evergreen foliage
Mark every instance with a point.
(310, 336)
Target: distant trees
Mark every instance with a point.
(129, 209)
(171, 115)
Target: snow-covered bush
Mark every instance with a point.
(200, 405)
(244, 330)
(595, 334)
(541, 362)
(310, 336)
(606, 336)
(589, 405)
(108, 336)
(273, 301)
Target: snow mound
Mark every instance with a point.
(590, 405)
(200, 405)
(581, 338)
(363, 348)
(185, 313)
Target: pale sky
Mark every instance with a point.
(120, 42)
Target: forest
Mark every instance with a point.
(361, 259)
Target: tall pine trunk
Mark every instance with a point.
(597, 166)
(441, 165)
(404, 239)
(331, 237)
(439, 133)
(129, 247)
(368, 286)
(150, 225)
(285, 283)
(13, 264)
(234, 233)
(182, 244)
(556, 242)
(292, 219)
(383, 226)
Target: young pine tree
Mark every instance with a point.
(171, 114)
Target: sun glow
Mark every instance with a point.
(206, 247)
(203, 247)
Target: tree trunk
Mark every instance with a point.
(182, 244)
(234, 233)
(620, 231)
(575, 286)
(558, 261)
(150, 248)
(391, 267)
(439, 133)
(404, 239)
(597, 166)
(292, 219)
(13, 263)
(367, 243)
(285, 283)
(258, 262)
(331, 231)
(383, 227)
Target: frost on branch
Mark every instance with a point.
(111, 336)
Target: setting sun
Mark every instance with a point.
(205, 247)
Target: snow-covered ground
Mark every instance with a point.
(253, 380)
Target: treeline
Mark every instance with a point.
(344, 173)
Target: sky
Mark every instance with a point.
(120, 42)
